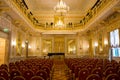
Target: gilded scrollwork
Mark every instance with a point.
(90, 14)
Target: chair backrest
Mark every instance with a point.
(83, 73)
(97, 71)
(11, 68)
(37, 78)
(77, 69)
(23, 69)
(18, 78)
(99, 66)
(1, 78)
(4, 66)
(109, 70)
(14, 73)
(93, 77)
(34, 69)
(49, 65)
(118, 72)
(90, 68)
(107, 66)
(112, 77)
(46, 68)
(43, 74)
(28, 74)
(4, 74)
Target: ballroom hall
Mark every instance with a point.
(59, 39)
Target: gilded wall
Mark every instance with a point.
(99, 36)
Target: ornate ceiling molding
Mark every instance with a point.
(93, 15)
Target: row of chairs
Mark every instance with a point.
(85, 68)
(27, 69)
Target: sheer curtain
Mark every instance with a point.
(114, 42)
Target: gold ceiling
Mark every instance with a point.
(40, 15)
(44, 13)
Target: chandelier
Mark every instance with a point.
(59, 23)
(61, 7)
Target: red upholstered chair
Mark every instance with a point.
(97, 71)
(46, 68)
(117, 67)
(28, 74)
(11, 68)
(90, 68)
(72, 67)
(23, 69)
(118, 72)
(19, 78)
(49, 65)
(39, 66)
(14, 73)
(43, 74)
(11, 64)
(4, 74)
(1, 78)
(93, 77)
(4, 66)
(83, 73)
(112, 77)
(107, 66)
(108, 71)
(34, 69)
(77, 69)
(100, 67)
(37, 78)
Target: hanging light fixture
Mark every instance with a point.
(61, 7)
(59, 23)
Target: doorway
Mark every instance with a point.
(2, 50)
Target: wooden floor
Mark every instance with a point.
(60, 71)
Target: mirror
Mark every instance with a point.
(71, 46)
(46, 46)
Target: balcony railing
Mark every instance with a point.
(91, 13)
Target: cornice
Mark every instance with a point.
(101, 13)
(85, 25)
(15, 8)
(47, 16)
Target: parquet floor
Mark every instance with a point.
(60, 71)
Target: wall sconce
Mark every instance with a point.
(14, 44)
(26, 42)
(105, 42)
(96, 44)
(29, 47)
(45, 50)
(23, 46)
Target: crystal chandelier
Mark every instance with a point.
(61, 7)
